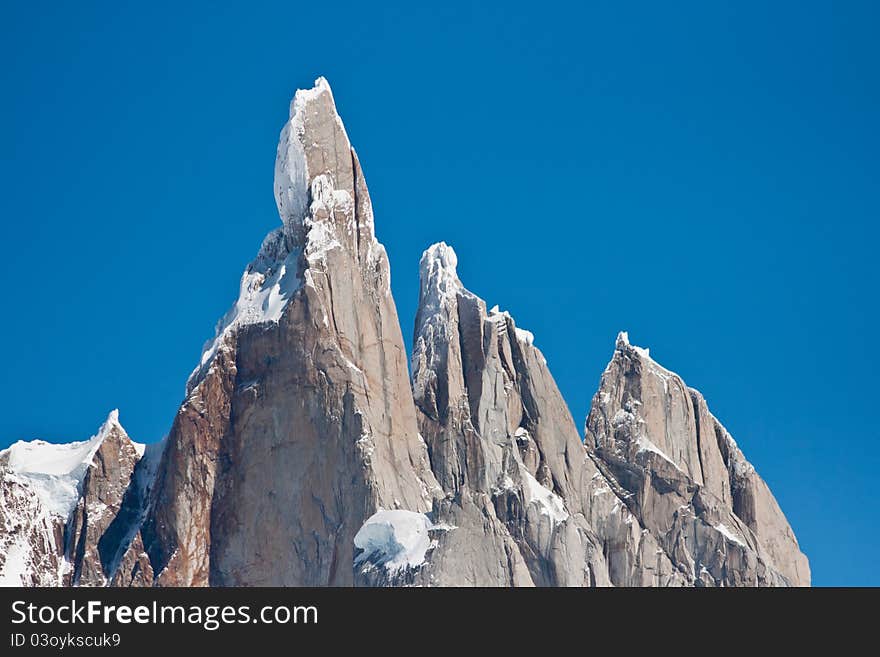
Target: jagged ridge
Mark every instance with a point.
(304, 455)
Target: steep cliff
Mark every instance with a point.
(298, 423)
(685, 479)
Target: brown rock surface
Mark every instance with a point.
(299, 423)
(103, 487)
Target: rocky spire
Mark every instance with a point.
(101, 493)
(502, 443)
(302, 455)
(685, 479)
(299, 423)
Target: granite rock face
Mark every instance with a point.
(299, 423)
(528, 504)
(102, 490)
(303, 454)
(684, 478)
(502, 444)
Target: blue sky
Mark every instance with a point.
(705, 177)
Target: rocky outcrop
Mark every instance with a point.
(122, 543)
(102, 490)
(524, 495)
(683, 476)
(502, 443)
(59, 505)
(658, 495)
(299, 423)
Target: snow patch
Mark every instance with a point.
(503, 485)
(365, 444)
(439, 288)
(736, 459)
(654, 367)
(623, 342)
(646, 445)
(291, 169)
(397, 539)
(266, 286)
(621, 417)
(524, 336)
(16, 569)
(438, 276)
(721, 527)
(548, 502)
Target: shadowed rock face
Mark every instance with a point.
(303, 455)
(103, 489)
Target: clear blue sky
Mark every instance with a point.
(705, 177)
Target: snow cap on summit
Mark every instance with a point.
(622, 343)
(438, 276)
(312, 143)
(56, 469)
(439, 258)
(302, 96)
(112, 418)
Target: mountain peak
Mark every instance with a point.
(438, 271)
(56, 470)
(303, 455)
(303, 96)
(443, 254)
(111, 421)
(646, 424)
(622, 343)
(325, 211)
(312, 145)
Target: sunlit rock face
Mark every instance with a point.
(683, 476)
(299, 423)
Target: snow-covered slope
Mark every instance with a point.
(31, 537)
(55, 471)
(43, 509)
